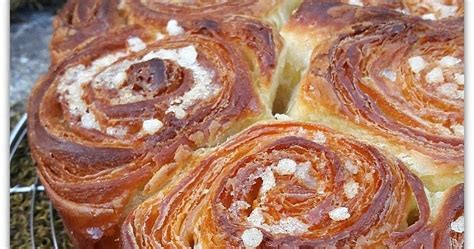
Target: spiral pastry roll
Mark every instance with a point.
(152, 13)
(316, 23)
(79, 22)
(119, 120)
(445, 228)
(284, 184)
(426, 9)
(396, 82)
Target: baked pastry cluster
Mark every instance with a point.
(232, 124)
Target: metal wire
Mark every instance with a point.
(53, 229)
(26, 189)
(32, 213)
(16, 137)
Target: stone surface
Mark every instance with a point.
(30, 32)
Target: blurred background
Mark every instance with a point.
(30, 32)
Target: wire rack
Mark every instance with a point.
(17, 135)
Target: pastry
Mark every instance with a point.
(79, 22)
(391, 80)
(154, 126)
(445, 228)
(426, 9)
(117, 121)
(285, 184)
(156, 14)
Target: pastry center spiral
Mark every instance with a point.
(152, 76)
(118, 84)
(289, 175)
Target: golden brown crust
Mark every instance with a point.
(128, 127)
(112, 118)
(79, 22)
(221, 199)
(360, 80)
(336, 17)
(429, 10)
(157, 13)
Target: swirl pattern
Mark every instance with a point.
(429, 10)
(158, 13)
(79, 22)
(396, 82)
(283, 184)
(129, 110)
(154, 126)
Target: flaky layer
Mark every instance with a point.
(139, 91)
(158, 13)
(284, 184)
(121, 119)
(446, 226)
(426, 9)
(79, 23)
(391, 80)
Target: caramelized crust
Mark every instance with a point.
(79, 22)
(154, 127)
(114, 123)
(395, 81)
(156, 14)
(300, 185)
(426, 9)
